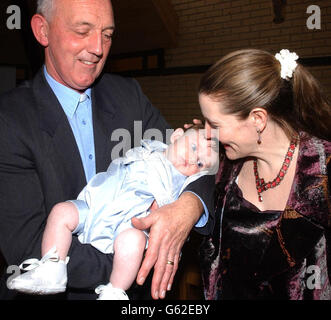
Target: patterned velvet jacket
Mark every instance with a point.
(284, 256)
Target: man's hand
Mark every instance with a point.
(169, 226)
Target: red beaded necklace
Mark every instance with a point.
(262, 186)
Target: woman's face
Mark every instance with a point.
(237, 136)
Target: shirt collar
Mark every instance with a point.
(68, 98)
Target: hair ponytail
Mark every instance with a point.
(250, 78)
(312, 107)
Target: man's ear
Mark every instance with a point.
(259, 116)
(40, 27)
(176, 134)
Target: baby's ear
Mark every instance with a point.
(179, 132)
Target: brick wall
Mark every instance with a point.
(175, 96)
(208, 29)
(211, 28)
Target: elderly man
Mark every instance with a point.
(55, 134)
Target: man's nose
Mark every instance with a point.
(95, 45)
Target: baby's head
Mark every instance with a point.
(190, 152)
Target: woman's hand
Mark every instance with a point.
(169, 226)
(189, 125)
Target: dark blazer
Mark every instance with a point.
(40, 166)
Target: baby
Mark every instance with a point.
(102, 213)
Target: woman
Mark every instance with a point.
(272, 239)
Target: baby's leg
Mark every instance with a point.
(50, 277)
(129, 248)
(62, 220)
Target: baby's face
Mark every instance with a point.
(191, 152)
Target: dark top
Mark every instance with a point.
(255, 254)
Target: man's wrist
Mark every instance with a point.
(192, 205)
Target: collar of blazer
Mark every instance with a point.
(53, 121)
(51, 112)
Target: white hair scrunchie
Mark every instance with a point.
(288, 63)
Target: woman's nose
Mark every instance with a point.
(208, 131)
(211, 133)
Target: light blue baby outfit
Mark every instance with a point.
(126, 190)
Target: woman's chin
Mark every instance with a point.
(231, 155)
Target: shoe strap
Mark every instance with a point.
(51, 255)
(99, 289)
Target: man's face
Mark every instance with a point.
(79, 40)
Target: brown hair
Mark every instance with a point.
(250, 78)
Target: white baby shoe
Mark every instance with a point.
(108, 292)
(45, 276)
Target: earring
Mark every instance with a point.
(259, 141)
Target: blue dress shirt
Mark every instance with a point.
(78, 109)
